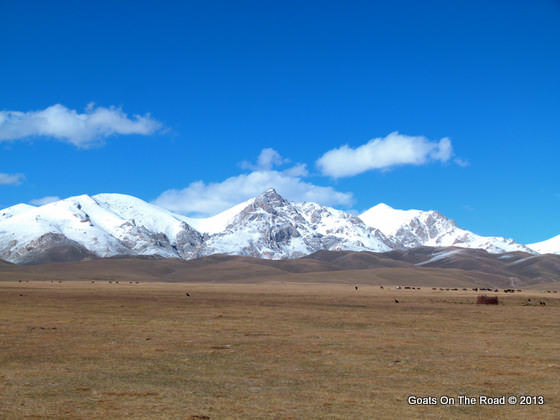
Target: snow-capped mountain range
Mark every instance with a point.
(267, 226)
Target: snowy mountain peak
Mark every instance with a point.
(266, 226)
(270, 199)
(414, 228)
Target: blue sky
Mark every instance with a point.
(472, 88)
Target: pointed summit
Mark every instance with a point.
(270, 199)
(270, 193)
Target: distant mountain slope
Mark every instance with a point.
(270, 226)
(91, 228)
(550, 246)
(414, 228)
(266, 226)
(442, 267)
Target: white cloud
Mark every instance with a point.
(68, 125)
(11, 179)
(381, 153)
(44, 200)
(461, 162)
(297, 170)
(268, 159)
(200, 198)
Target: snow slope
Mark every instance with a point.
(550, 246)
(413, 228)
(267, 226)
(15, 210)
(220, 221)
(272, 227)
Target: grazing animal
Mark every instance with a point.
(188, 294)
(396, 301)
(356, 287)
(542, 303)
(381, 287)
(529, 300)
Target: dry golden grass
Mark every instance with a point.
(269, 350)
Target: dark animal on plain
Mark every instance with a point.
(188, 294)
(486, 300)
(396, 301)
(381, 287)
(542, 303)
(356, 287)
(433, 288)
(529, 300)
(475, 289)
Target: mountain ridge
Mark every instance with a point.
(266, 226)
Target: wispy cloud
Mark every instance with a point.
(381, 153)
(204, 199)
(11, 179)
(268, 159)
(44, 200)
(82, 130)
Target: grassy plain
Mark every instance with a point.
(273, 350)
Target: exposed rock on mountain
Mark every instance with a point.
(267, 226)
(414, 228)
